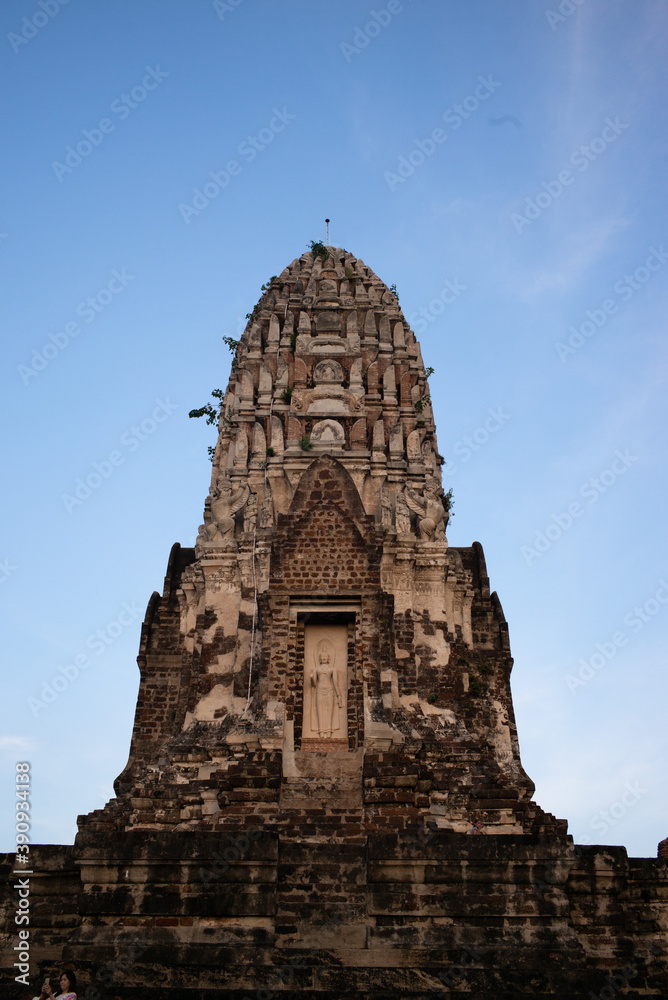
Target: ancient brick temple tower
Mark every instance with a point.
(324, 714)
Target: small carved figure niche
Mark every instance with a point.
(325, 683)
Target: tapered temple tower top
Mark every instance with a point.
(328, 365)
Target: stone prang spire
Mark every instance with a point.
(324, 545)
(324, 716)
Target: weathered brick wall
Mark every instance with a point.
(164, 668)
(53, 896)
(391, 916)
(324, 553)
(319, 546)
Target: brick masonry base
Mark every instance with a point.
(266, 914)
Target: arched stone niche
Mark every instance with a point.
(328, 373)
(325, 682)
(328, 435)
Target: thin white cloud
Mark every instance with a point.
(17, 743)
(458, 206)
(583, 250)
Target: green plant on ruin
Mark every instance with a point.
(408, 691)
(267, 286)
(349, 273)
(293, 341)
(232, 345)
(210, 410)
(448, 502)
(477, 684)
(475, 687)
(432, 698)
(270, 452)
(252, 315)
(305, 443)
(213, 413)
(425, 399)
(393, 289)
(461, 662)
(319, 250)
(286, 395)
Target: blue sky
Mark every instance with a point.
(504, 165)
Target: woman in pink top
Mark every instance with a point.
(68, 984)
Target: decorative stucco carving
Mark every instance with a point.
(325, 682)
(328, 432)
(326, 399)
(429, 509)
(225, 503)
(328, 373)
(402, 515)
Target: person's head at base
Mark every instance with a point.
(67, 981)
